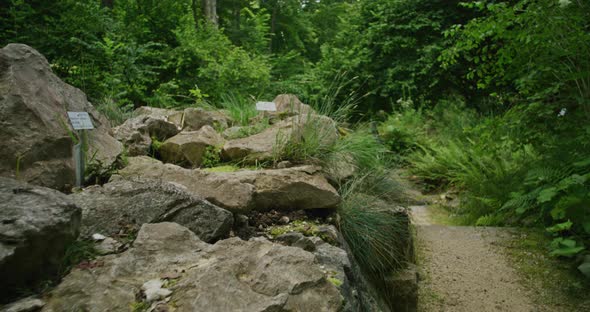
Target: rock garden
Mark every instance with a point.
(194, 209)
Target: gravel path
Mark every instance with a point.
(463, 270)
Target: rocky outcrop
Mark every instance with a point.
(258, 147)
(34, 128)
(137, 133)
(338, 267)
(36, 224)
(188, 148)
(120, 205)
(291, 188)
(177, 270)
(196, 118)
(170, 115)
(313, 129)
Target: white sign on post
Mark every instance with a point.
(266, 106)
(80, 120)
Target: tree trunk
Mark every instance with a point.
(209, 8)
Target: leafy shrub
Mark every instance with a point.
(557, 197)
(207, 59)
(403, 132)
(212, 157)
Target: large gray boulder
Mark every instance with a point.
(190, 275)
(189, 148)
(36, 224)
(34, 127)
(294, 188)
(119, 205)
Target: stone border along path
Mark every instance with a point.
(463, 270)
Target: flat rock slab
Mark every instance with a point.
(314, 129)
(118, 205)
(196, 118)
(188, 148)
(34, 127)
(232, 275)
(290, 188)
(36, 224)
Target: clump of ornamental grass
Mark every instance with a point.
(377, 232)
(240, 109)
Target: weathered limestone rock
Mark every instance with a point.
(232, 132)
(291, 105)
(340, 168)
(170, 115)
(232, 275)
(188, 148)
(316, 129)
(110, 208)
(196, 118)
(34, 127)
(335, 263)
(291, 188)
(36, 224)
(136, 133)
(261, 146)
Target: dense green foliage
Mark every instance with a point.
(519, 152)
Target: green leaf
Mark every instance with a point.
(560, 227)
(546, 195)
(574, 179)
(586, 226)
(567, 251)
(583, 163)
(569, 243)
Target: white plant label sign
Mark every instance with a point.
(266, 106)
(80, 120)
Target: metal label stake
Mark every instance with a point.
(80, 122)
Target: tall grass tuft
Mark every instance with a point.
(240, 109)
(377, 232)
(336, 104)
(361, 149)
(315, 135)
(114, 112)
